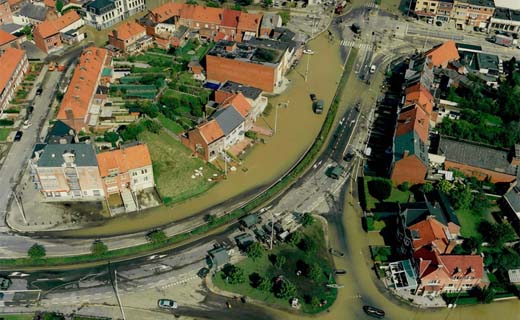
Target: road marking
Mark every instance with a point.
(354, 44)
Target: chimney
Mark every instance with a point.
(406, 153)
(69, 115)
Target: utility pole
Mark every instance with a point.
(117, 295)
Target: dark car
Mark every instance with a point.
(203, 272)
(340, 271)
(18, 136)
(313, 96)
(30, 109)
(39, 91)
(348, 157)
(374, 312)
(336, 253)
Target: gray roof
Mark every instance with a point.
(34, 11)
(52, 155)
(219, 256)
(513, 198)
(476, 155)
(250, 220)
(11, 27)
(487, 61)
(234, 87)
(413, 144)
(228, 119)
(270, 20)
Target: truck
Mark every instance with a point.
(503, 40)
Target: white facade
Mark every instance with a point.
(234, 136)
(122, 10)
(141, 178)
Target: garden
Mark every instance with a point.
(380, 190)
(300, 268)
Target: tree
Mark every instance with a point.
(480, 203)
(426, 188)
(36, 251)
(462, 197)
(132, 131)
(315, 271)
(295, 238)
(405, 186)
(444, 186)
(244, 2)
(380, 188)
(307, 219)
(233, 274)
(286, 16)
(210, 219)
(308, 245)
(111, 137)
(315, 302)
(156, 236)
(471, 245)
(255, 250)
(59, 5)
(98, 248)
(496, 234)
(267, 3)
(152, 126)
(265, 285)
(192, 2)
(286, 290)
(280, 261)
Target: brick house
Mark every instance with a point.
(253, 95)
(8, 40)
(6, 16)
(130, 37)
(67, 172)
(206, 140)
(443, 54)
(81, 103)
(270, 22)
(420, 96)
(49, 35)
(14, 67)
(474, 13)
(127, 168)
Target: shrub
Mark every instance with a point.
(156, 236)
(36, 251)
(380, 188)
(255, 250)
(98, 248)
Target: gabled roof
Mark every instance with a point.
(202, 14)
(34, 11)
(420, 95)
(239, 102)
(129, 29)
(235, 87)
(124, 159)
(412, 144)
(228, 119)
(10, 58)
(51, 27)
(428, 232)
(449, 265)
(60, 129)
(167, 11)
(211, 131)
(249, 21)
(5, 38)
(413, 119)
(83, 84)
(230, 18)
(52, 155)
(443, 53)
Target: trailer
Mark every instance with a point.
(503, 40)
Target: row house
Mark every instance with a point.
(8, 40)
(130, 37)
(82, 102)
(14, 67)
(50, 35)
(505, 19)
(67, 172)
(6, 16)
(102, 14)
(475, 13)
(34, 14)
(253, 95)
(225, 128)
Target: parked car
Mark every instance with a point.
(317, 106)
(18, 136)
(39, 91)
(313, 96)
(336, 253)
(203, 272)
(374, 312)
(308, 51)
(27, 124)
(340, 271)
(30, 109)
(373, 68)
(167, 304)
(347, 157)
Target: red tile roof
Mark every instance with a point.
(444, 53)
(83, 84)
(5, 37)
(10, 58)
(449, 265)
(167, 11)
(414, 118)
(211, 131)
(249, 21)
(124, 159)
(430, 231)
(230, 18)
(202, 14)
(51, 27)
(420, 95)
(239, 102)
(128, 30)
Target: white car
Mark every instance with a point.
(27, 124)
(167, 304)
(308, 51)
(373, 68)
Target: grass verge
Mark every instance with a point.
(4, 133)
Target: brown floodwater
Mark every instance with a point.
(297, 127)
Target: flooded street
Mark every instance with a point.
(297, 127)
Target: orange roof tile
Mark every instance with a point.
(211, 131)
(239, 102)
(230, 18)
(249, 21)
(420, 95)
(5, 37)
(14, 2)
(202, 14)
(444, 53)
(10, 58)
(463, 265)
(413, 118)
(430, 231)
(50, 3)
(83, 84)
(51, 27)
(129, 29)
(167, 11)
(124, 159)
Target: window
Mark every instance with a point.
(97, 193)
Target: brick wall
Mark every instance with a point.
(194, 139)
(6, 15)
(409, 169)
(47, 44)
(252, 74)
(479, 173)
(120, 44)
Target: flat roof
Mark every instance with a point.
(510, 4)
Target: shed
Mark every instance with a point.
(244, 240)
(514, 276)
(249, 221)
(219, 257)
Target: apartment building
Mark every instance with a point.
(81, 104)
(65, 172)
(14, 67)
(6, 16)
(473, 13)
(102, 14)
(50, 35)
(505, 19)
(130, 37)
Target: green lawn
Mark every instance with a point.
(469, 222)
(17, 316)
(396, 195)
(170, 124)
(174, 166)
(4, 133)
(306, 287)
